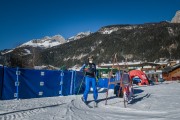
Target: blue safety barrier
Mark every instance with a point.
(20, 83)
(1, 80)
(79, 78)
(103, 83)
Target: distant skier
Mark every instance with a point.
(126, 81)
(126, 84)
(90, 79)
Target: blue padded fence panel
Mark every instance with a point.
(66, 83)
(9, 88)
(39, 83)
(52, 84)
(103, 83)
(79, 85)
(30, 84)
(34, 83)
(1, 80)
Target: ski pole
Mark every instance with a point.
(96, 78)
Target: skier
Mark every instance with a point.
(126, 84)
(90, 79)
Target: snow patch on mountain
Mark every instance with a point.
(109, 30)
(6, 52)
(79, 36)
(79, 57)
(27, 52)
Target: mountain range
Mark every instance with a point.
(138, 42)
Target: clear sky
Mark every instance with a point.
(23, 20)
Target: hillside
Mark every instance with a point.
(134, 42)
(149, 42)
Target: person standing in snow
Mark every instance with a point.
(90, 79)
(126, 82)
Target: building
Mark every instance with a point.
(161, 70)
(171, 72)
(151, 69)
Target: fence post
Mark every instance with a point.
(71, 86)
(61, 82)
(74, 82)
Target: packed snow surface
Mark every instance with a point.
(156, 102)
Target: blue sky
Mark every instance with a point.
(23, 20)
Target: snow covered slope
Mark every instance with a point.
(158, 102)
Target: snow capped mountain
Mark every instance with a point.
(48, 42)
(45, 42)
(176, 18)
(79, 36)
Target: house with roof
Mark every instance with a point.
(171, 72)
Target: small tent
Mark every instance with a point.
(141, 75)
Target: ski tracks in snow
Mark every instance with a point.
(76, 110)
(25, 113)
(18, 115)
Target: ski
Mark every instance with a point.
(95, 104)
(86, 103)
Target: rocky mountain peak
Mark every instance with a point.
(176, 18)
(45, 42)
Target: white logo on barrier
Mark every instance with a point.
(61, 83)
(60, 92)
(42, 73)
(40, 93)
(41, 83)
(17, 83)
(62, 74)
(18, 72)
(15, 94)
